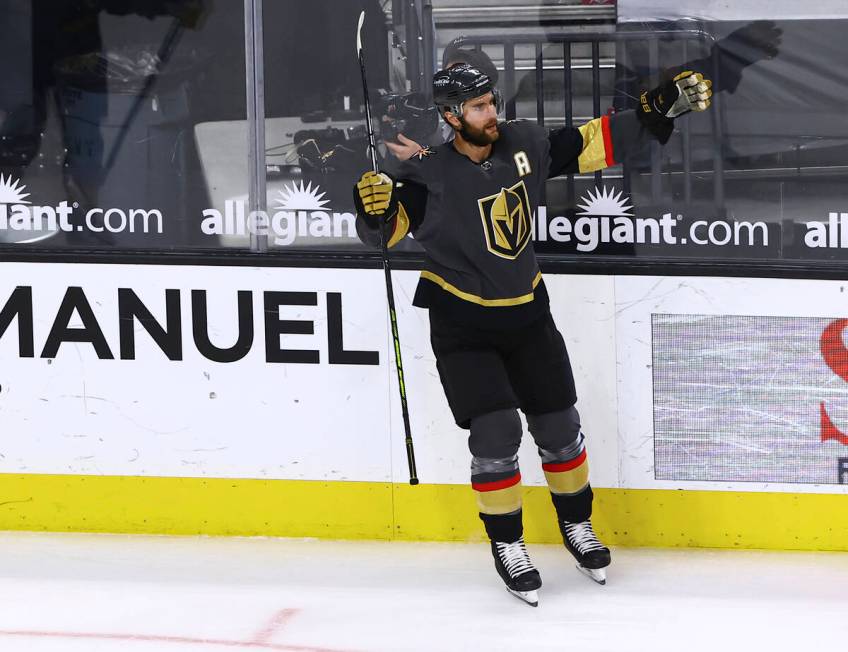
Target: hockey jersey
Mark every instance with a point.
(475, 220)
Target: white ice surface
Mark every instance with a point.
(97, 593)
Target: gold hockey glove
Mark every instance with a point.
(375, 198)
(688, 91)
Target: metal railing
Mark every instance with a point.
(594, 40)
(516, 13)
(470, 14)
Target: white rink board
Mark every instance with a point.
(250, 418)
(151, 416)
(638, 298)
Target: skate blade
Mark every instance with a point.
(598, 575)
(530, 597)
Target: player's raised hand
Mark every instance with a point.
(404, 149)
(695, 93)
(758, 40)
(374, 196)
(688, 91)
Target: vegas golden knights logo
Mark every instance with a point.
(506, 220)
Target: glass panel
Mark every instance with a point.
(757, 177)
(315, 122)
(763, 169)
(107, 114)
(123, 123)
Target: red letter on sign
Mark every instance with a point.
(836, 356)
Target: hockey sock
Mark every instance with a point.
(495, 477)
(498, 493)
(574, 508)
(567, 473)
(503, 527)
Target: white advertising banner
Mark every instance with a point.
(268, 373)
(735, 384)
(193, 371)
(288, 373)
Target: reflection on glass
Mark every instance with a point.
(97, 144)
(315, 128)
(123, 122)
(773, 167)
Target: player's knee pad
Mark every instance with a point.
(555, 430)
(495, 477)
(496, 434)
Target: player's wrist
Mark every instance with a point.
(660, 126)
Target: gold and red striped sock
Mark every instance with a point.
(498, 495)
(567, 477)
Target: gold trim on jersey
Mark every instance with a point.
(401, 226)
(594, 154)
(480, 301)
(506, 221)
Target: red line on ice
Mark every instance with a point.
(280, 619)
(150, 638)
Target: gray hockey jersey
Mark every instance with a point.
(475, 220)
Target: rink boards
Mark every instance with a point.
(263, 401)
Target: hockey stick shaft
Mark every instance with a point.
(390, 294)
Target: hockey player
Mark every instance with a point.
(469, 204)
(454, 54)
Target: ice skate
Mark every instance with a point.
(517, 571)
(592, 556)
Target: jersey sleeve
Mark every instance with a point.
(598, 144)
(412, 205)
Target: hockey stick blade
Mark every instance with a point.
(359, 33)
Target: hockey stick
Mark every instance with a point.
(372, 148)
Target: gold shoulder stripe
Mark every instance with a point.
(480, 301)
(594, 155)
(401, 226)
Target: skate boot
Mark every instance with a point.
(592, 556)
(517, 571)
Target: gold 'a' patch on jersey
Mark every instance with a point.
(506, 220)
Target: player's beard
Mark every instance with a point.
(480, 137)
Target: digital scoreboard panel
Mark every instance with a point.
(750, 398)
